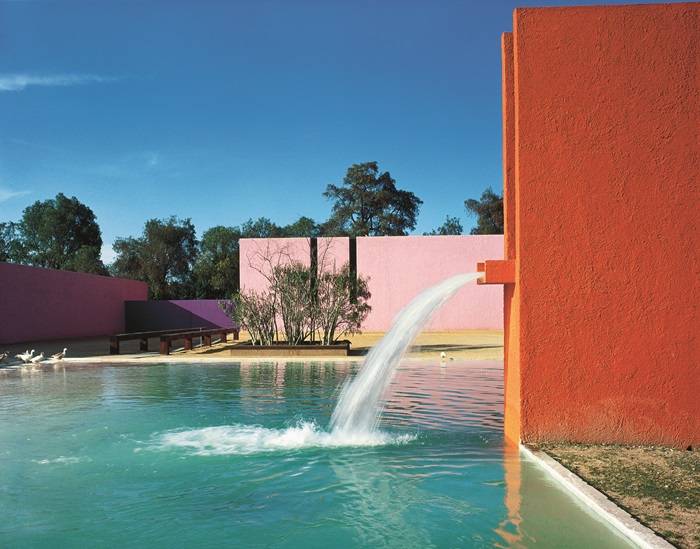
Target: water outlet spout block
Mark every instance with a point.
(498, 271)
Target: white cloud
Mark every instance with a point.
(19, 82)
(7, 194)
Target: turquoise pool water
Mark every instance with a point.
(210, 456)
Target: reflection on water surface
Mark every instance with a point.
(85, 454)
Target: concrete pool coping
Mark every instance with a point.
(156, 358)
(596, 501)
(153, 359)
(187, 358)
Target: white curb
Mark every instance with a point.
(620, 519)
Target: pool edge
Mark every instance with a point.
(621, 520)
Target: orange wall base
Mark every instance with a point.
(602, 194)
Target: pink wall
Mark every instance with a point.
(401, 267)
(331, 251)
(43, 304)
(398, 268)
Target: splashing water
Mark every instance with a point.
(358, 410)
(252, 439)
(355, 420)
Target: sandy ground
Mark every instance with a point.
(458, 345)
(461, 345)
(658, 486)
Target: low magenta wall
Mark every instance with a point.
(146, 316)
(398, 268)
(43, 304)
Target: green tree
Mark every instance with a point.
(260, 228)
(163, 256)
(302, 227)
(488, 211)
(451, 226)
(216, 271)
(11, 247)
(61, 233)
(368, 203)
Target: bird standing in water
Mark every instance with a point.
(59, 356)
(26, 356)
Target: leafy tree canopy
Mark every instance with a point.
(163, 257)
(302, 227)
(216, 271)
(260, 228)
(265, 228)
(368, 203)
(451, 226)
(58, 233)
(11, 248)
(488, 211)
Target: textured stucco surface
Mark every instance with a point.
(511, 292)
(398, 268)
(603, 321)
(45, 304)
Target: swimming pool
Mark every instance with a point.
(212, 455)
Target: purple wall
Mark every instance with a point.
(144, 316)
(43, 304)
(398, 268)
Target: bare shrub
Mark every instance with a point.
(294, 301)
(337, 313)
(255, 311)
(298, 305)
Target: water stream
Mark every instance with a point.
(358, 409)
(355, 419)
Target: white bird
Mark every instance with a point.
(37, 359)
(59, 356)
(26, 356)
(443, 355)
(3, 356)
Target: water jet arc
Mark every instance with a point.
(358, 409)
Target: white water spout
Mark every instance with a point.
(355, 419)
(358, 409)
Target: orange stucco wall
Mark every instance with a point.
(511, 296)
(602, 194)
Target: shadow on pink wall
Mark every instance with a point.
(398, 268)
(145, 316)
(44, 304)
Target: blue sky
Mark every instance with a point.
(222, 111)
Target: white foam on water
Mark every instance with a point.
(355, 420)
(251, 439)
(358, 409)
(61, 460)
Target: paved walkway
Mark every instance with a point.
(463, 345)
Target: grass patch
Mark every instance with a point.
(658, 486)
